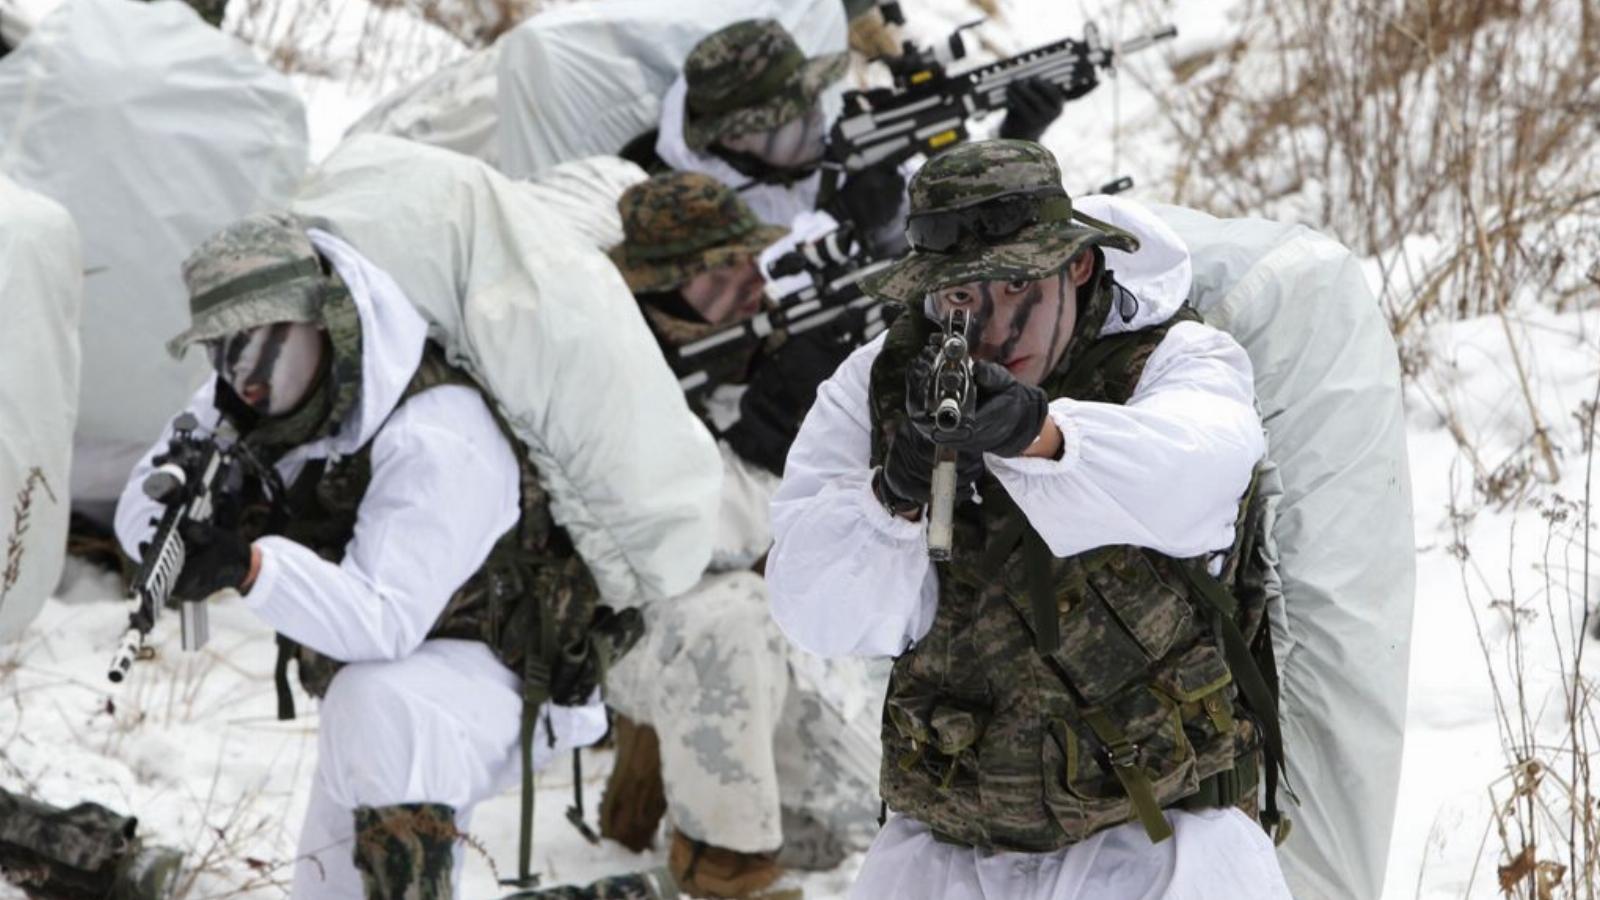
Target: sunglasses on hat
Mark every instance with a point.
(989, 222)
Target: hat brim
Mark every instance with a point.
(1036, 252)
(798, 95)
(649, 276)
(299, 300)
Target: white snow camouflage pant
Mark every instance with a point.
(748, 724)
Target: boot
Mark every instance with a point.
(704, 870)
(653, 885)
(406, 851)
(635, 798)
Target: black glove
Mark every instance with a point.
(906, 481)
(871, 199)
(1009, 413)
(215, 558)
(781, 390)
(1031, 105)
(907, 476)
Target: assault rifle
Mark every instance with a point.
(929, 107)
(950, 402)
(835, 264)
(187, 482)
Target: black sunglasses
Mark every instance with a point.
(989, 222)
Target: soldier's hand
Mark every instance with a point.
(216, 559)
(1009, 414)
(871, 199)
(1031, 105)
(906, 480)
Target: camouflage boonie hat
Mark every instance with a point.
(254, 272)
(969, 175)
(679, 224)
(750, 77)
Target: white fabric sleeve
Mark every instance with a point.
(444, 489)
(1165, 471)
(845, 577)
(135, 510)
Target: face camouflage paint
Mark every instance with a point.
(1022, 324)
(271, 368)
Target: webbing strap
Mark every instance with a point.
(1041, 591)
(1259, 695)
(1124, 758)
(280, 679)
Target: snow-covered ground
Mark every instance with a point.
(190, 744)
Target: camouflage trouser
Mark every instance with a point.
(746, 731)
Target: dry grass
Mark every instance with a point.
(1472, 121)
(21, 517)
(1545, 804)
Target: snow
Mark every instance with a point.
(189, 742)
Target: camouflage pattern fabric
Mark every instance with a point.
(406, 851)
(750, 77)
(968, 175)
(532, 572)
(256, 271)
(996, 743)
(86, 852)
(746, 747)
(679, 224)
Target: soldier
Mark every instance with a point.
(394, 566)
(751, 111)
(767, 754)
(1058, 691)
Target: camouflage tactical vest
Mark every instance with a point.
(1054, 698)
(532, 576)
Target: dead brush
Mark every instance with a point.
(1472, 122)
(1544, 807)
(21, 519)
(385, 43)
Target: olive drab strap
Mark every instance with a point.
(1260, 693)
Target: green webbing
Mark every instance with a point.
(1124, 758)
(1258, 695)
(1036, 559)
(256, 280)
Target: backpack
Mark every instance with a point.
(1328, 386)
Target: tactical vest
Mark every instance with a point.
(532, 574)
(1054, 698)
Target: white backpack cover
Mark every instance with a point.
(1328, 386)
(579, 79)
(154, 130)
(515, 285)
(41, 289)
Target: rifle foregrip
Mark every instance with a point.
(941, 506)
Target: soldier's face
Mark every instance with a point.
(271, 368)
(726, 294)
(796, 144)
(1022, 325)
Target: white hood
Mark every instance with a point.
(392, 336)
(1159, 273)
